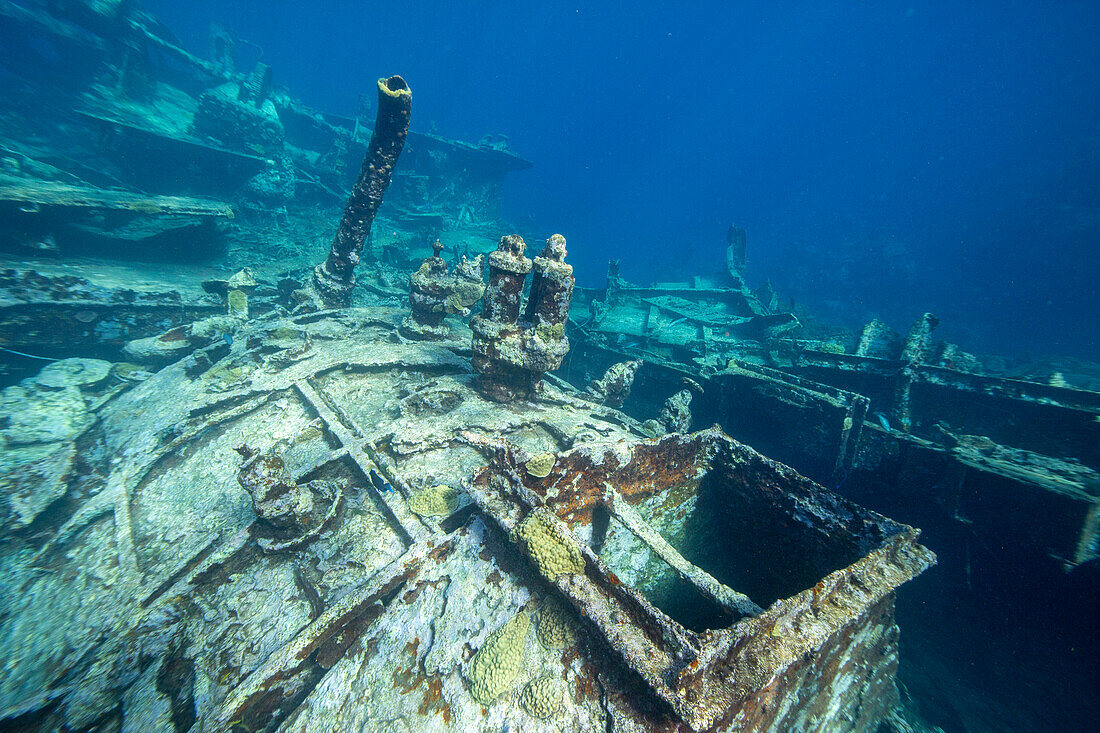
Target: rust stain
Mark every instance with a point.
(441, 553)
(585, 685)
(574, 488)
(413, 593)
(433, 701)
(567, 657)
(408, 679)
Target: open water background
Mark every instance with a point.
(886, 158)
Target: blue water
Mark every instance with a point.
(886, 158)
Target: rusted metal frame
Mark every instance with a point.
(173, 50)
(352, 440)
(849, 362)
(647, 319)
(703, 677)
(707, 584)
(850, 433)
(791, 629)
(211, 555)
(837, 395)
(177, 584)
(68, 195)
(136, 128)
(298, 654)
(650, 643)
(856, 405)
(120, 502)
(695, 320)
(1013, 389)
(332, 456)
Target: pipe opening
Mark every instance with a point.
(396, 84)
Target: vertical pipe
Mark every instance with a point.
(335, 277)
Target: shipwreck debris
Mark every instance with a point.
(613, 387)
(334, 278)
(675, 416)
(434, 292)
(295, 513)
(512, 355)
(823, 597)
(914, 351)
(736, 251)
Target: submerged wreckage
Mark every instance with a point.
(319, 523)
(303, 505)
(331, 529)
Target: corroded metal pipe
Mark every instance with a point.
(335, 277)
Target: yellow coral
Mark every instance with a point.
(542, 697)
(548, 544)
(438, 501)
(555, 625)
(540, 465)
(499, 659)
(238, 303)
(465, 295)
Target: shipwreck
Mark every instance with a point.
(378, 461)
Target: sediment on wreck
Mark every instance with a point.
(334, 279)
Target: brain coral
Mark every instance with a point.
(542, 697)
(548, 544)
(499, 659)
(438, 501)
(555, 625)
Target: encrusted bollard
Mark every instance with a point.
(434, 292)
(551, 287)
(468, 285)
(429, 288)
(512, 355)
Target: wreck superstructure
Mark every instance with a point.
(160, 170)
(290, 517)
(248, 556)
(1002, 471)
(888, 408)
(427, 510)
